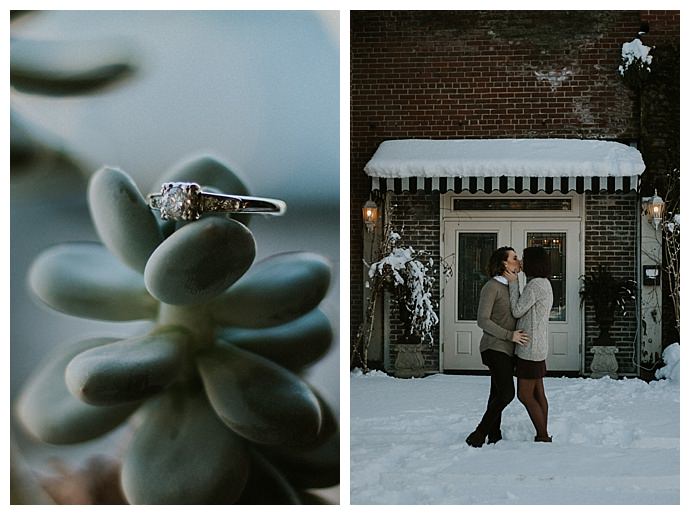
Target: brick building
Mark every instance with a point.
(498, 75)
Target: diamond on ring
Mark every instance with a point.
(186, 201)
(180, 201)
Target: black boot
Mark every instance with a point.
(476, 438)
(494, 437)
(543, 439)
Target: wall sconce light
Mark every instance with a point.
(370, 214)
(654, 209)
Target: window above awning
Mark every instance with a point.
(505, 165)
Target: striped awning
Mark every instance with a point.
(548, 165)
(505, 184)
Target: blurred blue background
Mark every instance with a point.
(257, 90)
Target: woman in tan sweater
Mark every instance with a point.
(497, 346)
(532, 309)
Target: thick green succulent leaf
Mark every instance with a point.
(52, 414)
(199, 261)
(313, 468)
(275, 291)
(258, 399)
(122, 217)
(212, 175)
(182, 454)
(293, 345)
(84, 279)
(127, 370)
(329, 425)
(316, 466)
(167, 227)
(24, 146)
(67, 67)
(29, 148)
(267, 485)
(207, 171)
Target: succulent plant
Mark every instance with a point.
(213, 390)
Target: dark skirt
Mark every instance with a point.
(525, 369)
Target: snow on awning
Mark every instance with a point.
(505, 165)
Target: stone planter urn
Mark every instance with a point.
(410, 361)
(604, 362)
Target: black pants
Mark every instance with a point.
(502, 389)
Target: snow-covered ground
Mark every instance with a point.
(614, 442)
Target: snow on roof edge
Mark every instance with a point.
(504, 157)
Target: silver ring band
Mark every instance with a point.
(186, 201)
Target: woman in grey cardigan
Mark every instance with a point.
(532, 309)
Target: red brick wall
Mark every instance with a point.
(664, 26)
(485, 74)
(610, 232)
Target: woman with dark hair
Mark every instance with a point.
(497, 346)
(532, 308)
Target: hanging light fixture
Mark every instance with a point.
(654, 209)
(370, 214)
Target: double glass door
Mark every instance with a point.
(467, 248)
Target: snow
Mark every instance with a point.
(555, 78)
(504, 157)
(674, 224)
(614, 442)
(633, 51)
(397, 260)
(423, 314)
(671, 357)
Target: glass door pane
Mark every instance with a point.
(555, 245)
(474, 251)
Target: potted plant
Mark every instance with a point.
(607, 295)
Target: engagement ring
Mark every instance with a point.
(186, 201)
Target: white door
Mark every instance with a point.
(467, 247)
(561, 239)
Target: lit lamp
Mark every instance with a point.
(370, 213)
(654, 209)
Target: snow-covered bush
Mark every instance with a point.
(404, 272)
(671, 370)
(636, 62)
